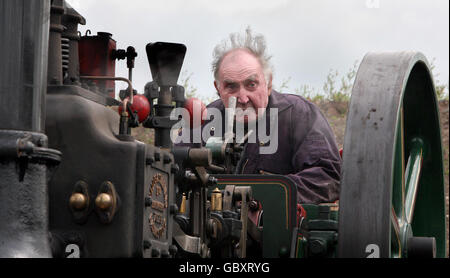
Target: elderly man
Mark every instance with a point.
(306, 150)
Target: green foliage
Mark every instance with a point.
(309, 93)
(441, 89)
(284, 85)
(343, 93)
(330, 90)
(441, 93)
(348, 79)
(189, 89)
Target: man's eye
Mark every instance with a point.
(251, 85)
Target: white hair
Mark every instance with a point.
(254, 44)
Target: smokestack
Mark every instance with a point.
(23, 67)
(70, 20)
(55, 75)
(25, 160)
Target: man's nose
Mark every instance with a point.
(242, 97)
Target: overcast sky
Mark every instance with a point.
(306, 38)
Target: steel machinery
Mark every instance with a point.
(75, 183)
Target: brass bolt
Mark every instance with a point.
(104, 201)
(78, 201)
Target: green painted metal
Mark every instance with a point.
(278, 198)
(421, 115)
(215, 144)
(413, 169)
(312, 211)
(399, 168)
(322, 230)
(420, 181)
(398, 191)
(418, 145)
(301, 246)
(393, 104)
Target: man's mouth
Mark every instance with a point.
(245, 107)
(245, 115)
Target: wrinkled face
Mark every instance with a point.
(241, 75)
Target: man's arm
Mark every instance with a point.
(316, 159)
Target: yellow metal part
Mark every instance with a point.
(216, 200)
(183, 204)
(78, 201)
(104, 201)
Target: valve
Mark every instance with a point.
(130, 54)
(140, 106)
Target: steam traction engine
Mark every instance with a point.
(75, 183)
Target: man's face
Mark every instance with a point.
(241, 75)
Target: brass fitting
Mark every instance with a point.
(216, 200)
(104, 201)
(78, 201)
(183, 204)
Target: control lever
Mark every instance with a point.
(226, 150)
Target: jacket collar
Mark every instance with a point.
(278, 100)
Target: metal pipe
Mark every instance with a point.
(55, 76)
(130, 86)
(24, 33)
(26, 161)
(130, 74)
(163, 109)
(70, 20)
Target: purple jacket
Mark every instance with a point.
(307, 151)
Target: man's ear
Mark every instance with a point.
(269, 85)
(216, 86)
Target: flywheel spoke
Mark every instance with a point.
(413, 170)
(398, 190)
(395, 236)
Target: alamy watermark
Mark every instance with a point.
(233, 116)
(72, 251)
(372, 251)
